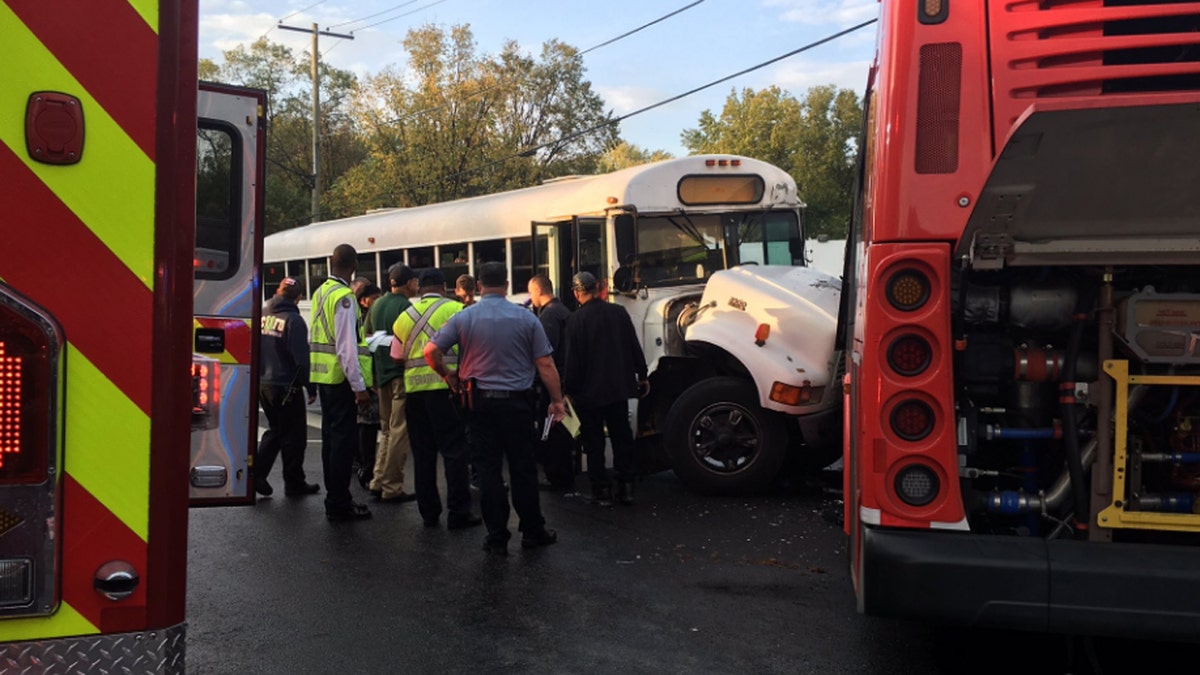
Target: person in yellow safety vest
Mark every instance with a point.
(340, 366)
(434, 423)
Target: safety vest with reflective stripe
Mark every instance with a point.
(323, 360)
(416, 326)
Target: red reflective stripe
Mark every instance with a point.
(237, 336)
(109, 48)
(92, 536)
(109, 317)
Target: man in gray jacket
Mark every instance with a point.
(282, 381)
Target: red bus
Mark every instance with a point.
(1021, 318)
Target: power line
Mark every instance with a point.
(500, 84)
(401, 16)
(372, 16)
(625, 35)
(303, 9)
(617, 120)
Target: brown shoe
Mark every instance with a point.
(399, 498)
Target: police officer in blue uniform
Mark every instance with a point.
(502, 347)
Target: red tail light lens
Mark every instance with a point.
(206, 392)
(912, 420)
(28, 381)
(908, 290)
(909, 355)
(31, 386)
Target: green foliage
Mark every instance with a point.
(287, 79)
(453, 122)
(812, 139)
(624, 155)
(457, 123)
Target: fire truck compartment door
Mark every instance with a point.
(226, 311)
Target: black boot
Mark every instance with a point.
(601, 495)
(625, 492)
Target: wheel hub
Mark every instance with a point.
(725, 438)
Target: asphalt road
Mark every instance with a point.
(677, 583)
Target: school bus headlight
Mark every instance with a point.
(908, 290)
(912, 419)
(917, 485)
(909, 355)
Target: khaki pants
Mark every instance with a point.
(393, 443)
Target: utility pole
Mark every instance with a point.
(316, 112)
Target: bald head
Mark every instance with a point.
(344, 261)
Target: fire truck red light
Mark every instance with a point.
(710, 162)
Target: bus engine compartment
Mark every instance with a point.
(1078, 401)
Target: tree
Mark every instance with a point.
(456, 123)
(624, 155)
(813, 140)
(287, 79)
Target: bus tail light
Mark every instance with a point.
(908, 289)
(206, 392)
(31, 386)
(912, 419)
(917, 485)
(909, 355)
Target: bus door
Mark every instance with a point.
(230, 144)
(565, 247)
(553, 255)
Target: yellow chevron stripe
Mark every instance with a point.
(149, 11)
(107, 443)
(224, 357)
(65, 622)
(112, 188)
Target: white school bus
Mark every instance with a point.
(707, 255)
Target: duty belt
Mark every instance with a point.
(501, 393)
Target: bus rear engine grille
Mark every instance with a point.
(1098, 47)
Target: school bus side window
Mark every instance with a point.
(218, 201)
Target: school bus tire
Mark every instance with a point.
(721, 441)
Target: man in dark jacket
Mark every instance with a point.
(282, 381)
(556, 453)
(605, 368)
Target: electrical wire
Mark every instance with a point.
(617, 120)
(500, 84)
(639, 28)
(372, 16)
(302, 9)
(400, 16)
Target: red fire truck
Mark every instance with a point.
(1022, 318)
(112, 360)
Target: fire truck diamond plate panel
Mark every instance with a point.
(159, 652)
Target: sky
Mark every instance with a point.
(707, 41)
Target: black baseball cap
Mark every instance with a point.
(400, 274)
(432, 276)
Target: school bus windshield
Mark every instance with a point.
(688, 248)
